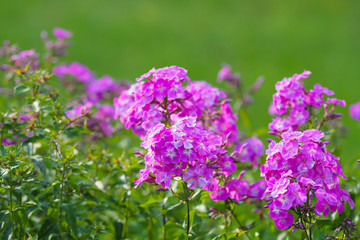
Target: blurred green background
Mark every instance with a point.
(270, 38)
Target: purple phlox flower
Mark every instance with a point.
(194, 174)
(104, 116)
(172, 73)
(276, 212)
(151, 118)
(228, 165)
(273, 148)
(276, 187)
(179, 167)
(251, 150)
(279, 125)
(104, 84)
(299, 101)
(284, 223)
(78, 71)
(143, 175)
(291, 89)
(62, 33)
(27, 57)
(289, 148)
(181, 139)
(80, 110)
(258, 83)
(355, 111)
(237, 189)
(312, 151)
(347, 198)
(161, 90)
(280, 104)
(226, 74)
(189, 122)
(291, 135)
(311, 135)
(189, 154)
(299, 116)
(167, 73)
(204, 94)
(257, 189)
(123, 103)
(144, 93)
(61, 70)
(326, 201)
(308, 182)
(299, 193)
(146, 75)
(285, 200)
(219, 193)
(305, 163)
(8, 142)
(315, 96)
(324, 176)
(336, 101)
(105, 111)
(164, 178)
(170, 154)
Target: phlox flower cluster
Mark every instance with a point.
(355, 111)
(30, 58)
(299, 171)
(98, 91)
(183, 150)
(58, 47)
(159, 96)
(225, 74)
(237, 189)
(19, 60)
(292, 102)
(224, 186)
(185, 130)
(249, 151)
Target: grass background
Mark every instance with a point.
(274, 39)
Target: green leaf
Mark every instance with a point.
(175, 206)
(118, 229)
(153, 201)
(192, 216)
(3, 172)
(3, 217)
(47, 228)
(21, 88)
(71, 218)
(8, 234)
(32, 237)
(3, 151)
(34, 138)
(39, 163)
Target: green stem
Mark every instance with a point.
(126, 220)
(226, 225)
(150, 229)
(304, 226)
(188, 219)
(11, 205)
(242, 227)
(2, 129)
(188, 211)
(61, 197)
(164, 218)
